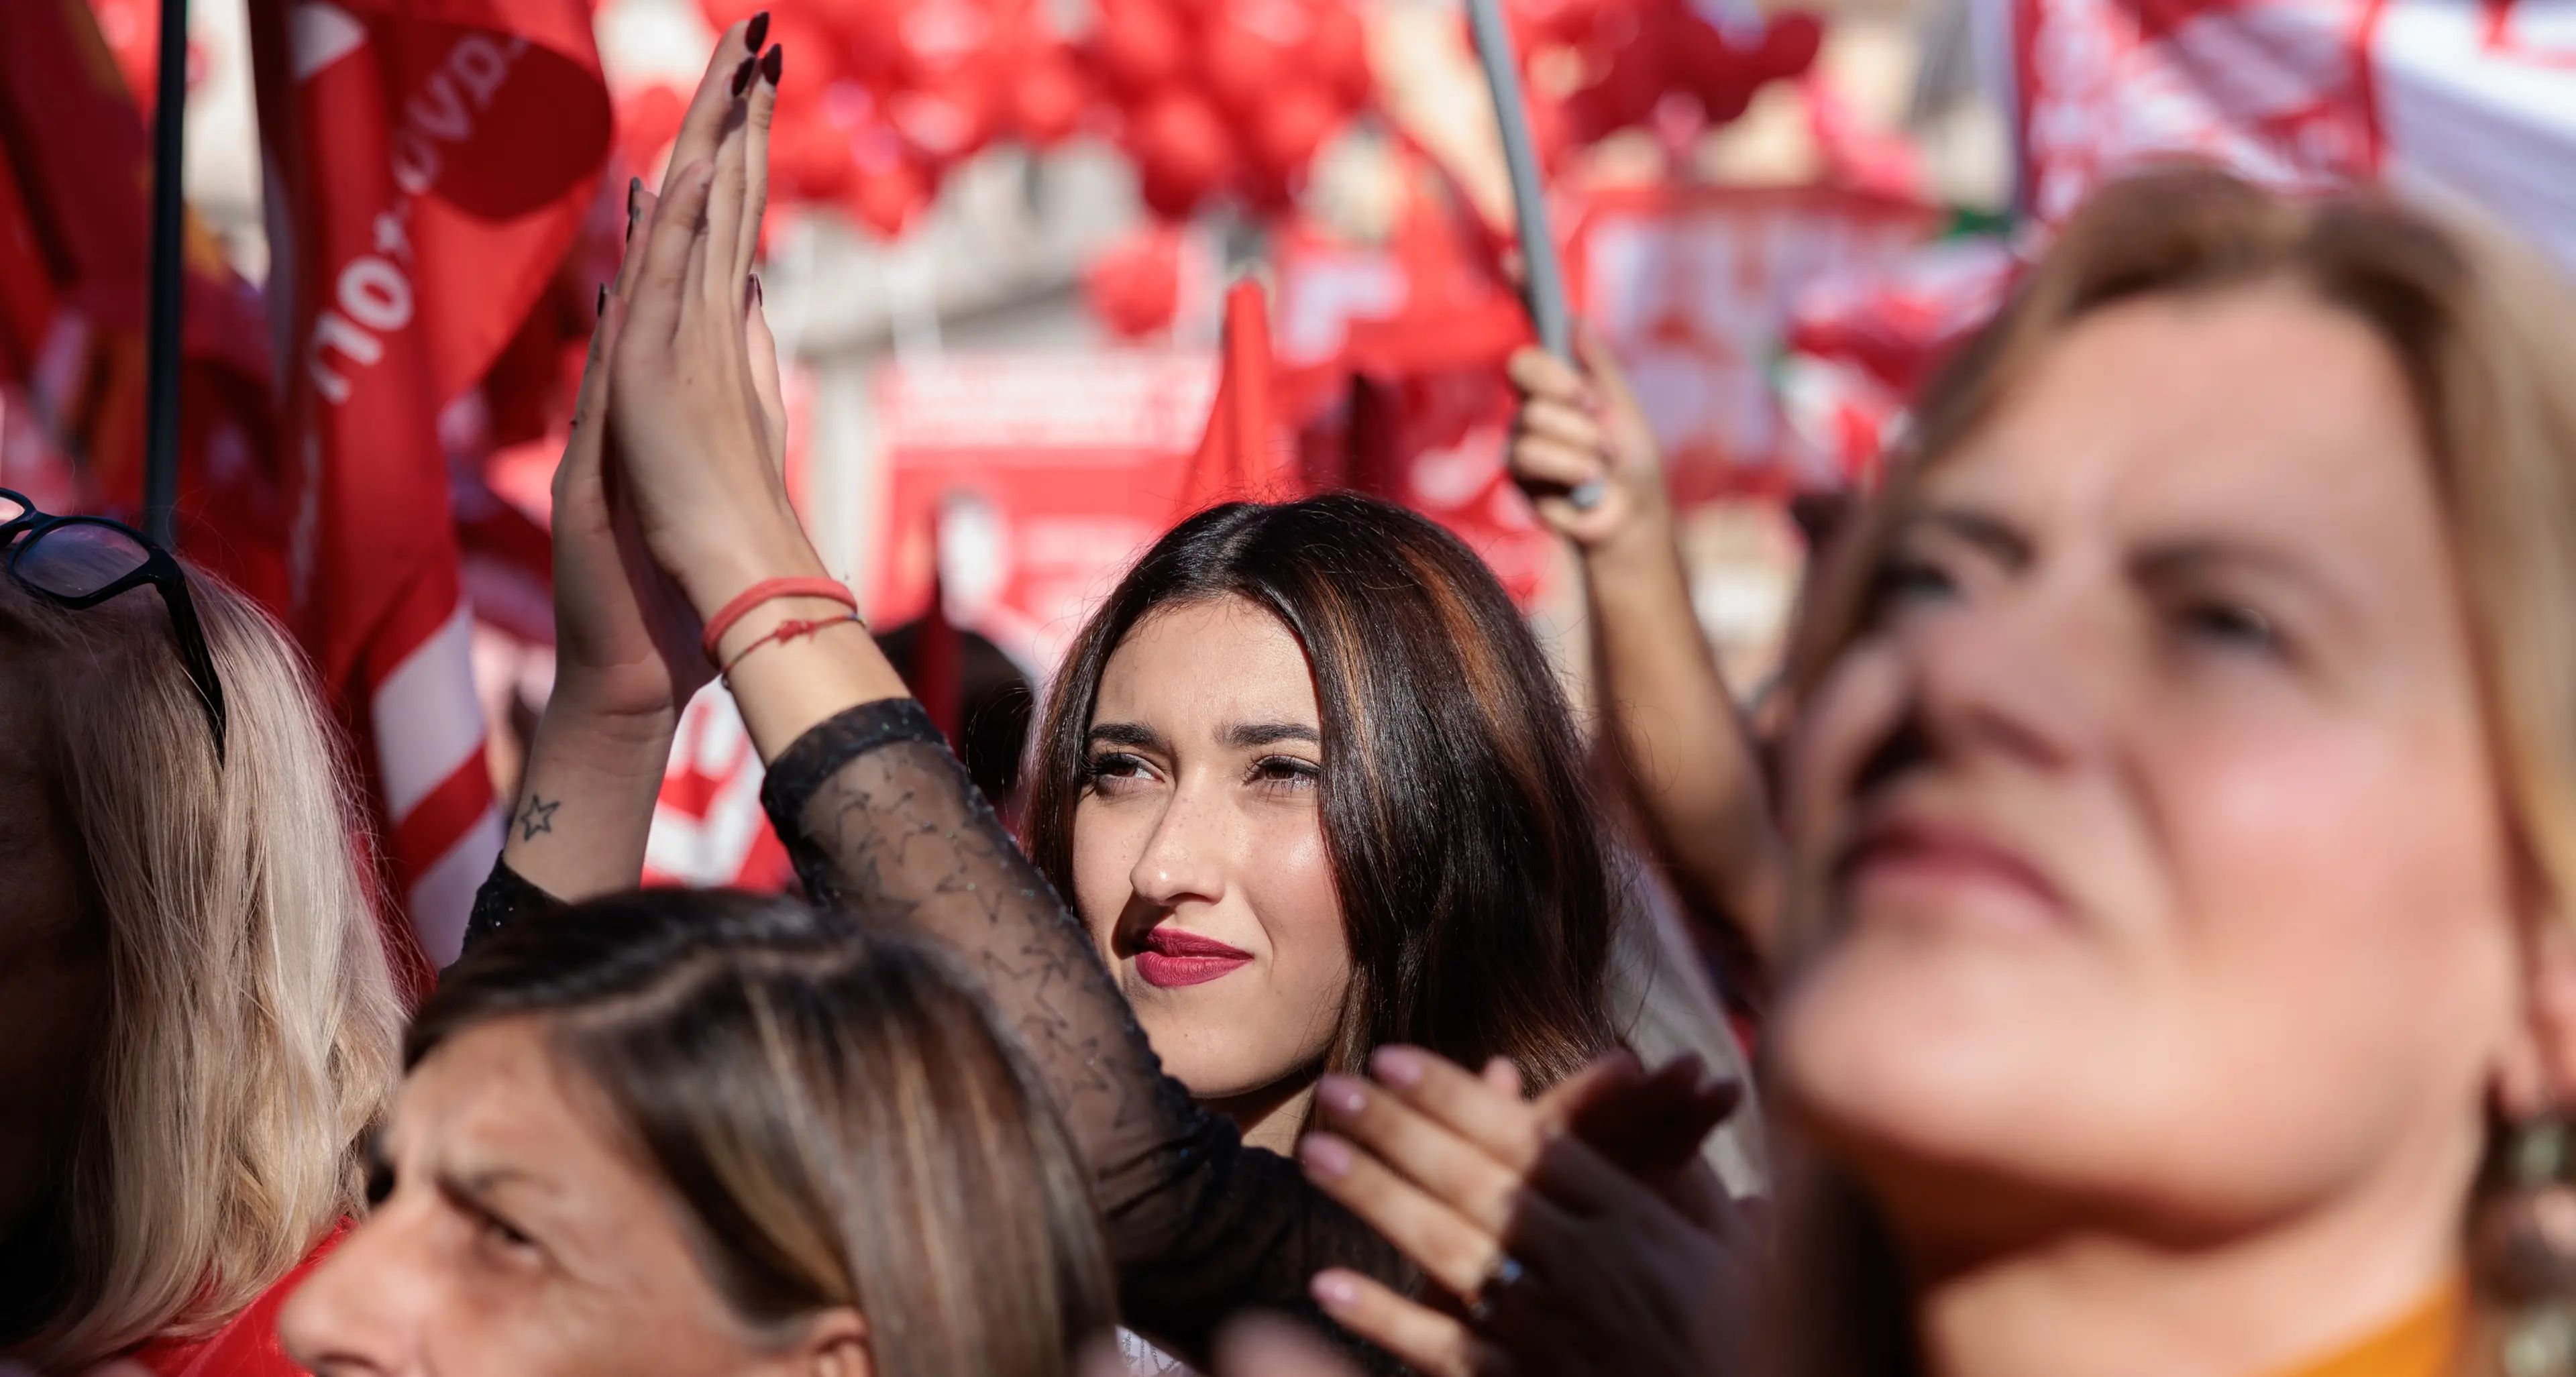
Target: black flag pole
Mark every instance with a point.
(161, 387)
(1542, 281)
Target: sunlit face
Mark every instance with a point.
(2163, 870)
(1199, 861)
(53, 969)
(517, 1239)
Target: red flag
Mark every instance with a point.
(1242, 454)
(430, 162)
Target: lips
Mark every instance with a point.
(1919, 851)
(1173, 958)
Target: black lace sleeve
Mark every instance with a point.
(882, 822)
(506, 896)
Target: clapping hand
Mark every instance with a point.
(1574, 1233)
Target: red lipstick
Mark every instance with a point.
(1172, 958)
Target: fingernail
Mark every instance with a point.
(634, 189)
(772, 63)
(1334, 1292)
(1327, 1156)
(757, 31)
(602, 308)
(742, 76)
(1341, 1094)
(755, 289)
(1397, 1066)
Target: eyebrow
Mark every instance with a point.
(2177, 560)
(1984, 530)
(1136, 734)
(1248, 735)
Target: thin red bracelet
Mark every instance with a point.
(768, 590)
(788, 630)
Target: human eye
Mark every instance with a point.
(1112, 773)
(380, 1174)
(1284, 774)
(2228, 625)
(1908, 582)
(496, 1236)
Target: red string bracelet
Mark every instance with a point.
(769, 590)
(788, 630)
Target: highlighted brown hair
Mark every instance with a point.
(1474, 886)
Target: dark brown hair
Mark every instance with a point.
(1474, 886)
(835, 1111)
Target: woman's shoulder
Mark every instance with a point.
(247, 1345)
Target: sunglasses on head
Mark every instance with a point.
(78, 562)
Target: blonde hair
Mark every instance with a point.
(2485, 333)
(252, 1024)
(837, 1113)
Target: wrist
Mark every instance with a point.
(577, 724)
(1643, 545)
(720, 566)
(757, 631)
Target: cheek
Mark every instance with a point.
(1105, 847)
(1851, 711)
(1289, 883)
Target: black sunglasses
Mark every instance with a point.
(78, 562)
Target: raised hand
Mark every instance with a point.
(699, 429)
(1572, 1234)
(1577, 426)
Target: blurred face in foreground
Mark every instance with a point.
(512, 1236)
(1199, 857)
(2165, 885)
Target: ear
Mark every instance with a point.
(835, 1344)
(2538, 1074)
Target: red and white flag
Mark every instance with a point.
(429, 162)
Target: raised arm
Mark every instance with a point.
(876, 811)
(1673, 726)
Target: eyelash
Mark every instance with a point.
(1110, 771)
(1904, 579)
(1285, 773)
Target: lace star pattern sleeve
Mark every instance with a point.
(505, 897)
(882, 822)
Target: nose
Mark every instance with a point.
(1180, 861)
(2018, 675)
(362, 1312)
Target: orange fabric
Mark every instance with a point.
(2424, 1343)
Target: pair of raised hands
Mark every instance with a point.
(671, 497)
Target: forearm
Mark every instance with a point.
(1676, 732)
(585, 807)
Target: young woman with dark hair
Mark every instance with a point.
(682, 402)
(1312, 787)
(703, 1134)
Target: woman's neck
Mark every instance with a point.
(1271, 1116)
(2262, 1303)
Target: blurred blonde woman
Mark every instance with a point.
(197, 1024)
(2182, 974)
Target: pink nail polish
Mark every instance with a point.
(1397, 1066)
(1336, 1292)
(1341, 1094)
(1326, 1156)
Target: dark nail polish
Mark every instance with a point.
(602, 308)
(772, 63)
(758, 30)
(756, 298)
(742, 76)
(634, 188)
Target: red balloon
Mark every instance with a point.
(1138, 46)
(1624, 96)
(1047, 96)
(1288, 129)
(1789, 45)
(887, 199)
(647, 122)
(1338, 53)
(1243, 67)
(935, 38)
(1183, 152)
(809, 158)
(724, 14)
(948, 122)
(1134, 286)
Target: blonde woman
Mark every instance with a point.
(197, 1026)
(711, 1135)
(2185, 811)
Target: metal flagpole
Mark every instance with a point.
(161, 389)
(1542, 281)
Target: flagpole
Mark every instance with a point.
(161, 388)
(1542, 281)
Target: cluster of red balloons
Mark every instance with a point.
(883, 97)
(1227, 97)
(1635, 55)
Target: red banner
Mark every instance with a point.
(430, 161)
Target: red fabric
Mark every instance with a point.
(433, 160)
(247, 1346)
(1240, 453)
